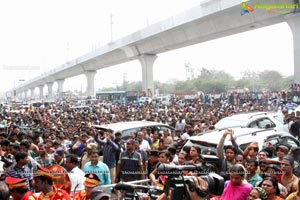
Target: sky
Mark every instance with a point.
(39, 35)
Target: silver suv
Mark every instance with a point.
(262, 120)
(243, 137)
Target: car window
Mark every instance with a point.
(160, 129)
(229, 123)
(290, 141)
(253, 124)
(265, 123)
(126, 133)
(203, 145)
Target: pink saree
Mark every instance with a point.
(239, 192)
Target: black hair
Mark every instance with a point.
(231, 148)
(73, 158)
(95, 151)
(197, 148)
(22, 190)
(274, 183)
(237, 169)
(16, 146)
(45, 179)
(167, 154)
(172, 150)
(253, 160)
(4, 191)
(290, 159)
(186, 149)
(25, 143)
(20, 155)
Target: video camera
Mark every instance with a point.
(176, 182)
(151, 191)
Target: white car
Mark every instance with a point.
(126, 128)
(262, 120)
(145, 99)
(243, 137)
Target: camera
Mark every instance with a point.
(131, 191)
(176, 182)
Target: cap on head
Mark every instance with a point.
(42, 171)
(59, 152)
(15, 182)
(91, 180)
(283, 148)
(131, 141)
(99, 192)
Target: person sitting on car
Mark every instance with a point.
(230, 151)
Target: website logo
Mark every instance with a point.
(275, 8)
(246, 9)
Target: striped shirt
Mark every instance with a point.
(47, 162)
(23, 172)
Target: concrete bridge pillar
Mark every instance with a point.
(60, 88)
(50, 92)
(294, 23)
(147, 61)
(41, 89)
(25, 94)
(90, 77)
(32, 93)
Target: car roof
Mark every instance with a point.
(128, 125)
(215, 136)
(246, 116)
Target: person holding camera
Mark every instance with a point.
(200, 185)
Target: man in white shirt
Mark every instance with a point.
(76, 175)
(145, 144)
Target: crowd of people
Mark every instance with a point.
(34, 139)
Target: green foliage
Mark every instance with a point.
(214, 81)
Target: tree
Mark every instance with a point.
(270, 80)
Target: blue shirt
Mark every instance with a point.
(23, 172)
(254, 179)
(101, 169)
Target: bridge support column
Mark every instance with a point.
(25, 94)
(294, 23)
(50, 91)
(90, 77)
(60, 88)
(32, 93)
(41, 89)
(147, 61)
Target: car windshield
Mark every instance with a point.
(229, 123)
(205, 146)
(279, 118)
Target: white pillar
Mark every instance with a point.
(32, 93)
(25, 94)
(90, 87)
(60, 88)
(41, 89)
(50, 91)
(147, 61)
(294, 23)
